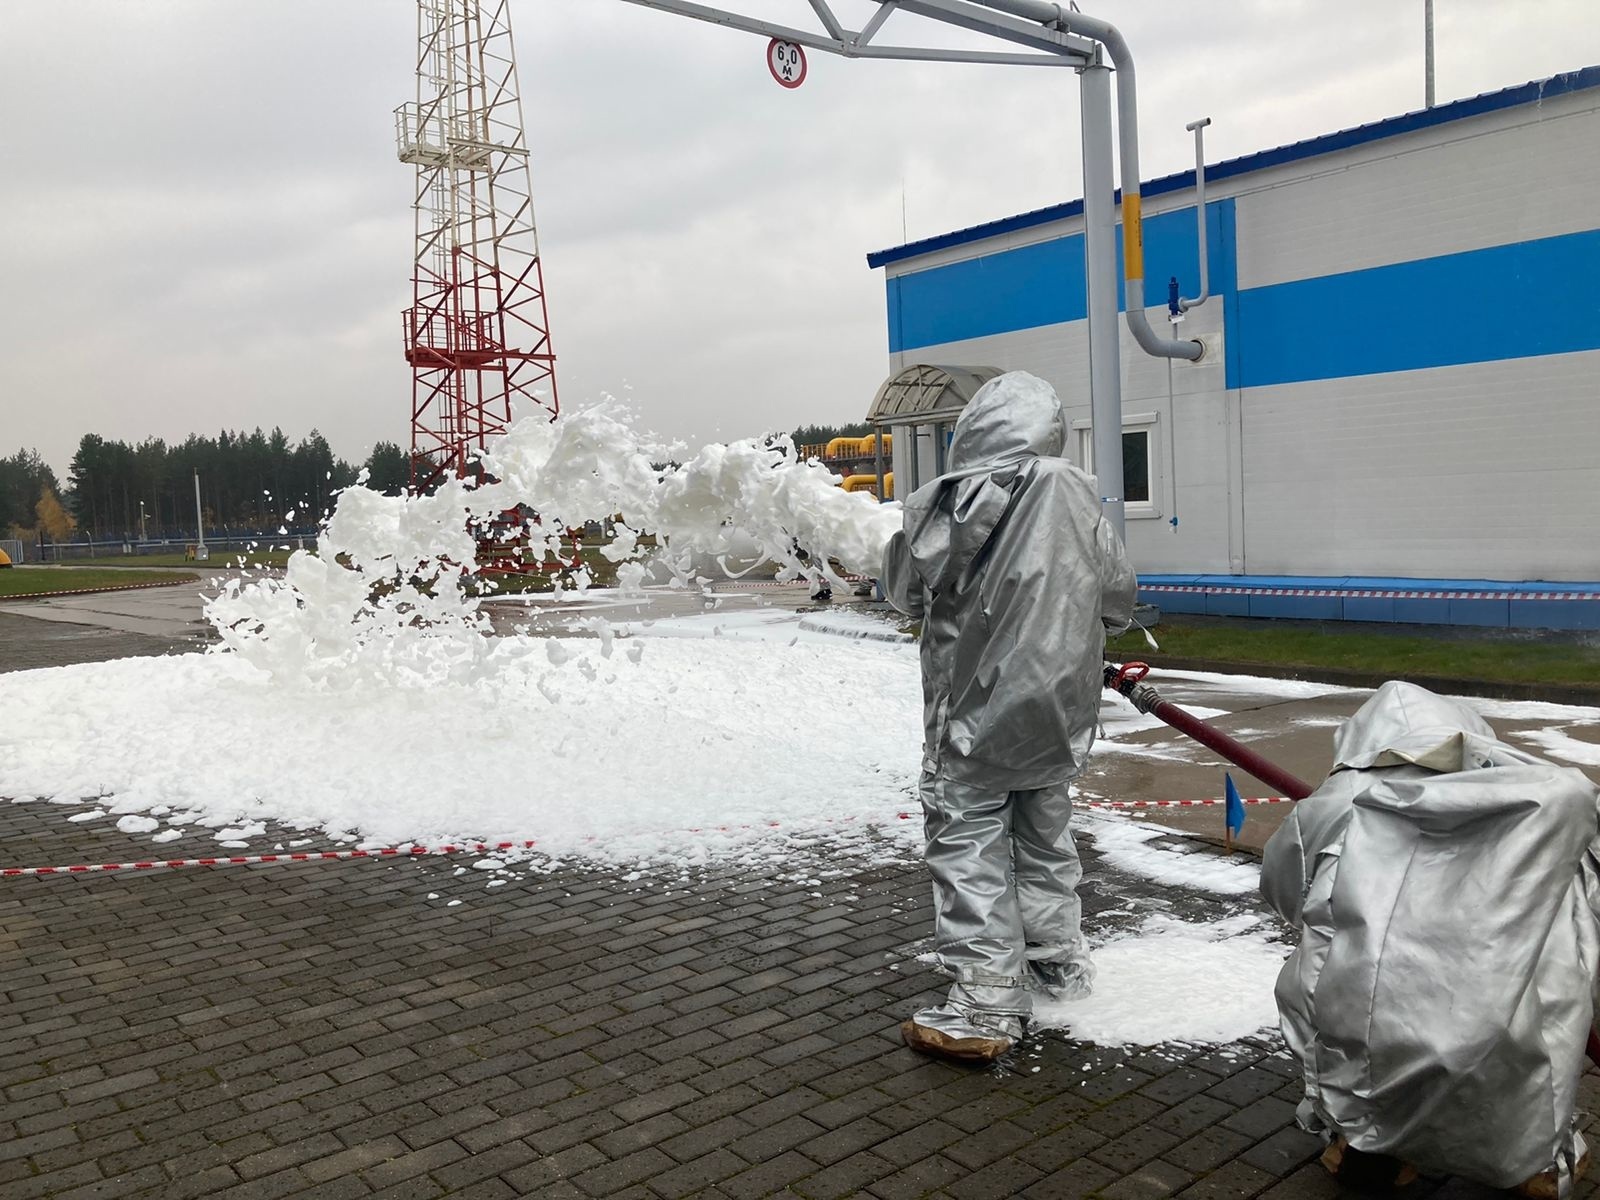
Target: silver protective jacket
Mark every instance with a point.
(1017, 578)
(1440, 998)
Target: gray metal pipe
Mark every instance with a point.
(1109, 36)
(1427, 53)
(1030, 10)
(1198, 128)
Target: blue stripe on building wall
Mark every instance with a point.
(1043, 284)
(998, 293)
(1514, 301)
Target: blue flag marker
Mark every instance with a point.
(1235, 807)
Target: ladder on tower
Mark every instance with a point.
(477, 334)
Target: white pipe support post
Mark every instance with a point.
(1198, 128)
(1100, 277)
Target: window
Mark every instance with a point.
(1140, 476)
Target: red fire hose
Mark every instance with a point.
(1129, 681)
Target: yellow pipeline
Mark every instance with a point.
(869, 483)
(1132, 238)
(857, 447)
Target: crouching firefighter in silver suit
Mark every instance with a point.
(1017, 580)
(1446, 887)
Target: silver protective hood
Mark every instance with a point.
(1016, 578)
(1441, 994)
(1405, 724)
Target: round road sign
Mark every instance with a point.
(787, 62)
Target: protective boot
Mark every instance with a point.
(947, 1032)
(1359, 1169)
(962, 1029)
(1060, 982)
(1549, 1184)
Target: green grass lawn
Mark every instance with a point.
(219, 558)
(1396, 656)
(32, 581)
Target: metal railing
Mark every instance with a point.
(220, 547)
(430, 140)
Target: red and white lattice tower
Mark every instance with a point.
(477, 335)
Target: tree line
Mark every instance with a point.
(30, 498)
(250, 483)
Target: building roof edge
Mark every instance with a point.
(1532, 92)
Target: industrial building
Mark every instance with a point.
(1397, 416)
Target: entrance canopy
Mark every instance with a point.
(927, 395)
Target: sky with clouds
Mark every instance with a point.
(207, 226)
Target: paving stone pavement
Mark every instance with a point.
(402, 1029)
(27, 643)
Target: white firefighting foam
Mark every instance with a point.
(383, 598)
(362, 692)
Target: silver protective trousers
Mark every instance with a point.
(1005, 876)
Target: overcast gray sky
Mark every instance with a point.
(207, 227)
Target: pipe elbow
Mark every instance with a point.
(1159, 347)
(1102, 31)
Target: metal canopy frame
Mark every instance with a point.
(923, 395)
(1051, 47)
(1050, 35)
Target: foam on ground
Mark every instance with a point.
(1127, 847)
(684, 751)
(1173, 981)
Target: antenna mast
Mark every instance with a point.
(477, 335)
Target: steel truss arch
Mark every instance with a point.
(1051, 46)
(1050, 35)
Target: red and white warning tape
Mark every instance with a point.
(1182, 803)
(1363, 593)
(116, 587)
(302, 856)
(241, 860)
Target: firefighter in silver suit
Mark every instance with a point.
(1017, 580)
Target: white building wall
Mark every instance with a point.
(1486, 470)
(1200, 413)
(1488, 184)
(1481, 470)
